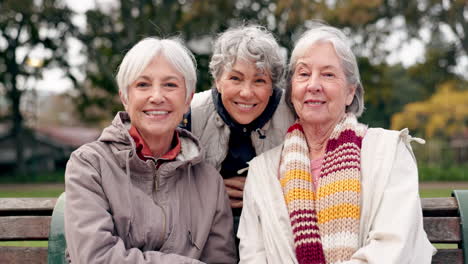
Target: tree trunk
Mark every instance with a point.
(18, 131)
(15, 96)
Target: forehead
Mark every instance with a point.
(320, 54)
(245, 66)
(159, 66)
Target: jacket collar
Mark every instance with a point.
(124, 146)
(143, 150)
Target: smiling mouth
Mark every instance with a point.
(156, 113)
(245, 106)
(315, 102)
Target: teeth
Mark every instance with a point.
(245, 105)
(156, 112)
(314, 103)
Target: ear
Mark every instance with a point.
(218, 86)
(187, 104)
(350, 95)
(123, 100)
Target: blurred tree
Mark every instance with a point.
(390, 88)
(443, 115)
(109, 33)
(112, 31)
(25, 26)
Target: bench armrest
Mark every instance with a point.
(462, 199)
(57, 243)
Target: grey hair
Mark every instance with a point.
(252, 43)
(320, 33)
(139, 57)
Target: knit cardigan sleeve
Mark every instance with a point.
(396, 234)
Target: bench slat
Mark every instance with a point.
(24, 227)
(27, 204)
(23, 255)
(442, 229)
(444, 256)
(443, 206)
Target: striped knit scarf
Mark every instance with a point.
(325, 222)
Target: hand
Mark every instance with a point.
(235, 190)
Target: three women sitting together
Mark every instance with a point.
(308, 182)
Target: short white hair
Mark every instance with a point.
(139, 57)
(252, 43)
(320, 33)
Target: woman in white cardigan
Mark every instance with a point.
(335, 191)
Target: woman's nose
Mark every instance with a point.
(246, 90)
(157, 95)
(314, 85)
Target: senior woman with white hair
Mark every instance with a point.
(244, 114)
(142, 193)
(335, 191)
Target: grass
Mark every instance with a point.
(23, 243)
(52, 192)
(431, 193)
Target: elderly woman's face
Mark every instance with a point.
(320, 92)
(156, 99)
(245, 91)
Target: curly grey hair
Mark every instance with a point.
(253, 43)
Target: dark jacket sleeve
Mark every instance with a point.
(220, 246)
(89, 228)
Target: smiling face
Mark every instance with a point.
(156, 100)
(320, 92)
(245, 91)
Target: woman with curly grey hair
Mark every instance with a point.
(244, 114)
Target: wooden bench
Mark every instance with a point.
(29, 219)
(32, 219)
(442, 223)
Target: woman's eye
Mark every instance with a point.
(302, 74)
(171, 84)
(260, 81)
(328, 74)
(142, 84)
(234, 78)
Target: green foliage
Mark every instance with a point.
(440, 173)
(443, 115)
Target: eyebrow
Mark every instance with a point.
(258, 73)
(171, 78)
(236, 71)
(165, 79)
(324, 67)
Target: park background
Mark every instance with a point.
(58, 60)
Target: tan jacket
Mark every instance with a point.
(120, 209)
(214, 134)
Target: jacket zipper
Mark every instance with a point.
(156, 189)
